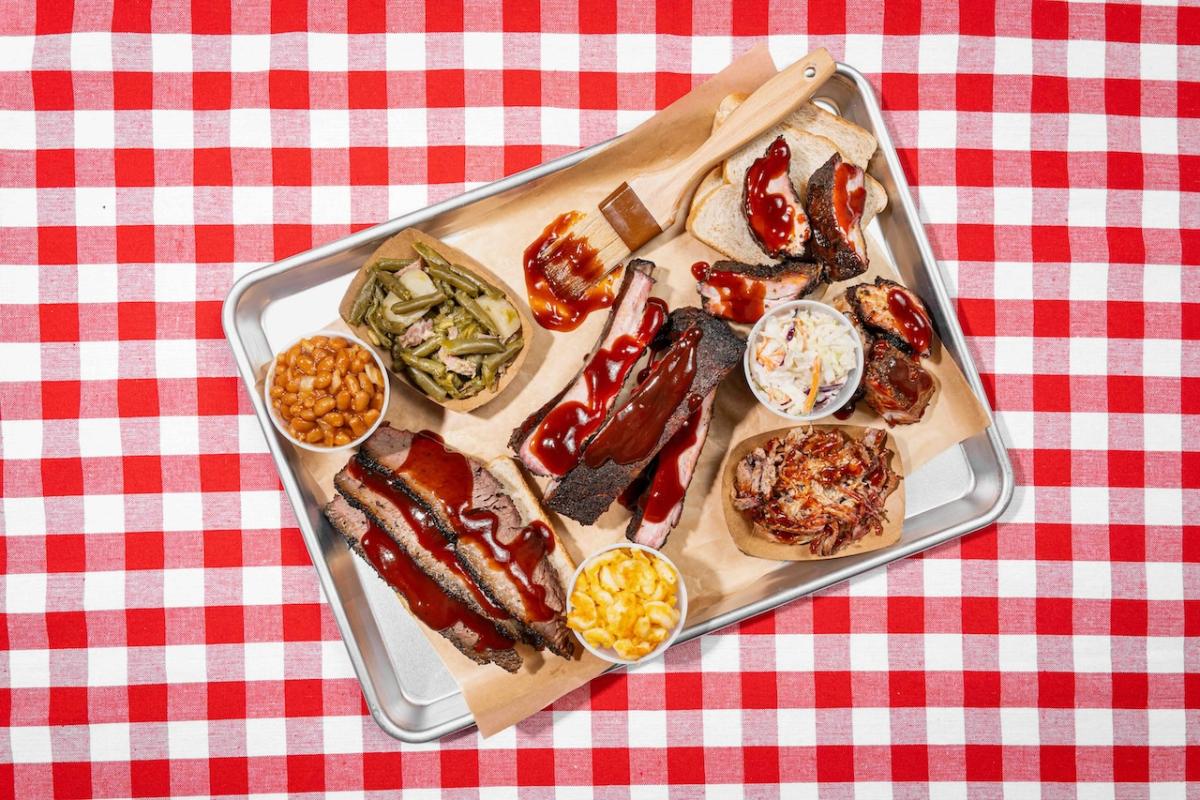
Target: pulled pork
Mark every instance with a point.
(819, 488)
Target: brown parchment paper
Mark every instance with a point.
(496, 232)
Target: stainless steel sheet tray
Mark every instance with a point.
(407, 688)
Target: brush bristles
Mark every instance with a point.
(610, 252)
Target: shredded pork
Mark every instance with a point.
(819, 488)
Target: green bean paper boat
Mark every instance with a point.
(442, 322)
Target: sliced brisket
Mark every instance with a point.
(461, 626)
(484, 524)
(836, 196)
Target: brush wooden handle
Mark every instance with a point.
(660, 192)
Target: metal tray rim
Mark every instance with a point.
(851, 568)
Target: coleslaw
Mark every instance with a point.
(801, 359)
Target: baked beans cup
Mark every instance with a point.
(326, 391)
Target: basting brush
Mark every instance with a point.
(643, 207)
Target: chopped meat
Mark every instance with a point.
(893, 311)
(896, 385)
(836, 196)
(418, 332)
(821, 489)
(457, 364)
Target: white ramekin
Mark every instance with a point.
(281, 425)
(852, 380)
(680, 599)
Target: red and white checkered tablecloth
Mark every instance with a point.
(163, 630)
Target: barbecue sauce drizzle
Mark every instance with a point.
(551, 310)
(771, 214)
(560, 436)
(913, 322)
(448, 476)
(739, 298)
(427, 531)
(848, 204)
(425, 598)
(666, 489)
(632, 433)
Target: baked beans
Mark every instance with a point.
(327, 390)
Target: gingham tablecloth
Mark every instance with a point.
(163, 630)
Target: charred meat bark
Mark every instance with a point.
(772, 205)
(895, 384)
(703, 350)
(895, 312)
(517, 565)
(660, 502)
(820, 489)
(550, 439)
(836, 196)
(744, 292)
(431, 600)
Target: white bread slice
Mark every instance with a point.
(716, 216)
(856, 144)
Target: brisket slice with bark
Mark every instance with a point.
(836, 199)
(623, 320)
(386, 453)
(743, 292)
(684, 451)
(588, 489)
(353, 525)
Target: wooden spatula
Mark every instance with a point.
(646, 205)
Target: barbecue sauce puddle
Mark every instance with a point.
(561, 434)
(428, 602)
(551, 310)
(770, 212)
(637, 427)
(739, 298)
(447, 475)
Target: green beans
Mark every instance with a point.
(427, 365)
(451, 304)
(362, 300)
(489, 369)
(393, 264)
(430, 256)
(427, 348)
(466, 347)
(382, 325)
(421, 303)
(426, 384)
(466, 301)
(453, 279)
